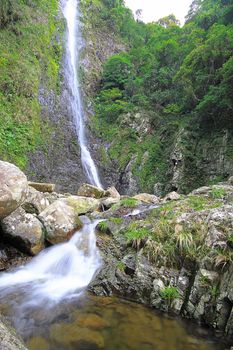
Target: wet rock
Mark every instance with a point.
(24, 231)
(13, 188)
(42, 186)
(35, 201)
(60, 220)
(87, 190)
(130, 264)
(9, 339)
(147, 198)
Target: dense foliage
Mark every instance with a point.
(181, 76)
(28, 56)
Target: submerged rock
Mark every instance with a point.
(24, 231)
(13, 188)
(9, 339)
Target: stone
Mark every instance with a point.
(107, 203)
(42, 187)
(158, 189)
(60, 221)
(172, 196)
(24, 231)
(9, 339)
(35, 201)
(147, 198)
(87, 190)
(61, 218)
(13, 188)
(230, 180)
(112, 192)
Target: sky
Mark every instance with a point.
(156, 9)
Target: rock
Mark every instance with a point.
(42, 187)
(147, 198)
(35, 201)
(172, 196)
(61, 218)
(60, 221)
(130, 264)
(24, 231)
(230, 180)
(82, 205)
(9, 339)
(107, 203)
(13, 188)
(112, 192)
(158, 189)
(87, 190)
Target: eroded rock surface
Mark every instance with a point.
(13, 188)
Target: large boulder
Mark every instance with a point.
(61, 218)
(13, 188)
(35, 201)
(87, 190)
(24, 231)
(9, 339)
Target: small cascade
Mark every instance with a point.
(56, 274)
(74, 42)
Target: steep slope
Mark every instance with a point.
(164, 107)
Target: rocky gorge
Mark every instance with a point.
(173, 253)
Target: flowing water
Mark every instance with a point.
(73, 46)
(56, 274)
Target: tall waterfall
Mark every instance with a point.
(70, 12)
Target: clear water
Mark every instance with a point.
(95, 323)
(73, 46)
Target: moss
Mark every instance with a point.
(29, 52)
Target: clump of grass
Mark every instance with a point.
(197, 203)
(169, 293)
(184, 241)
(217, 193)
(136, 235)
(103, 227)
(222, 257)
(116, 221)
(129, 202)
(120, 265)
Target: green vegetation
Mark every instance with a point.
(103, 227)
(136, 234)
(129, 202)
(218, 193)
(29, 55)
(120, 265)
(179, 81)
(169, 293)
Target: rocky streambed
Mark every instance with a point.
(174, 254)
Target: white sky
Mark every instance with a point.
(156, 9)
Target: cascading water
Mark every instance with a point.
(70, 12)
(55, 275)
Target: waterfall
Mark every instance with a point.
(56, 274)
(70, 12)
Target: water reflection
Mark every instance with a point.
(111, 324)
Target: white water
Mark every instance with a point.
(55, 274)
(70, 12)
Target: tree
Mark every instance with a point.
(169, 21)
